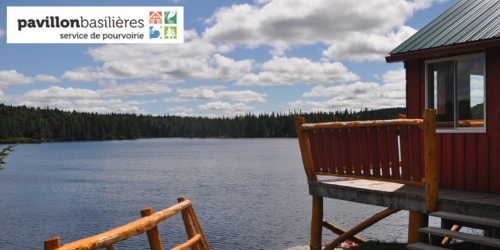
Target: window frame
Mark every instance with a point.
(455, 128)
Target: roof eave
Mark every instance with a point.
(462, 48)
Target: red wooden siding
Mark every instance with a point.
(493, 117)
(469, 161)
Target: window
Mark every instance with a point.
(456, 90)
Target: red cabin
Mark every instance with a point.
(453, 66)
(442, 159)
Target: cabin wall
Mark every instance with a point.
(466, 161)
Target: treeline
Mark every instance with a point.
(28, 124)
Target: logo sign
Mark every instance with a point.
(95, 24)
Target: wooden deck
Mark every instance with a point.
(407, 197)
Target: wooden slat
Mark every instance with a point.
(422, 246)
(354, 147)
(346, 152)
(447, 160)
(458, 161)
(438, 159)
(383, 146)
(415, 157)
(363, 151)
(486, 241)
(329, 156)
(318, 137)
(392, 140)
(482, 163)
(335, 140)
(314, 151)
(470, 167)
(374, 152)
(467, 218)
(405, 153)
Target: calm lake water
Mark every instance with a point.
(247, 193)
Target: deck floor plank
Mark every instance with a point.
(406, 197)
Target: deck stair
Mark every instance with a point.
(491, 226)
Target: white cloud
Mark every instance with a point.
(358, 95)
(4, 97)
(291, 70)
(141, 88)
(181, 109)
(2, 32)
(216, 92)
(218, 105)
(194, 59)
(56, 92)
(85, 100)
(360, 46)
(283, 24)
(227, 69)
(395, 76)
(12, 77)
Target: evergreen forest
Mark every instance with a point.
(21, 124)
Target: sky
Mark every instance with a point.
(238, 57)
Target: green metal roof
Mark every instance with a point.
(466, 21)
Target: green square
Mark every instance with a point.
(170, 17)
(170, 32)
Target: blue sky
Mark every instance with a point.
(238, 57)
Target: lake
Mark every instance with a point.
(247, 193)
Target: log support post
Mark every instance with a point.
(316, 222)
(153, 234)
(431, 172)
(51, 243)
(362, 226)
(190, 221)
(416, 221)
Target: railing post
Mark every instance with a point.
(153, 234)
(188, 223)
(192, 215)
(51, 243)
(431, 173)
(305, 150)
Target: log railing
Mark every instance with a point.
(400, 150)
(148, 223)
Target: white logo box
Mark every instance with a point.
(83, 24)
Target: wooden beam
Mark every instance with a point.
(316, 223)
(188, 223)
(153, 234)
(431, 172)
(305, 150)
(126, 231)
(190, 243)
(361, 124)
(416, 221)
(51, 243)
(362, 226)
(339, 231)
